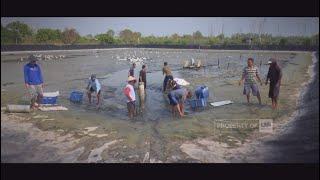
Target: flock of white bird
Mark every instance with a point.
(49, 57)
(46, 57)
(132, 59)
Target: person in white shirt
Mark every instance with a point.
(130, 94)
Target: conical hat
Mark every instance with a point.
(131, 78)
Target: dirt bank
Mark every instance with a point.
(296, 141)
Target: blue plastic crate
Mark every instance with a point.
(197, 103)
(76, 96)
(49, 100)
(202, 102)
(202, 92)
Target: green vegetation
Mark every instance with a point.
(20, 33)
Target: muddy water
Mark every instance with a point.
(154, 130)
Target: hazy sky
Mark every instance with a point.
(181, 25)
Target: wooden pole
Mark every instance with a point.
(260, 63)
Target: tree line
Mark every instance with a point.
(19, 33)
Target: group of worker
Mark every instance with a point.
(176, 94)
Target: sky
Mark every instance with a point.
(166, 26)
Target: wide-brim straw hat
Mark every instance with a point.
(131, 78)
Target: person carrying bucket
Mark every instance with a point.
(33, 81)
(130, 94)
(94, 86)
(168, 75)
(177, 99)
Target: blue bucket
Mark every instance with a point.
(198, 103)
(76, 96)
(49, 100)
(202, 92)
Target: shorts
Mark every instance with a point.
(131, 105)
(251, 87)
(91, 90)
(35, 91)
(173, 100)
(165, 81)
(274, 90)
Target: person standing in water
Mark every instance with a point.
(143, 75)
(142, 86)
(274, 75)
(250, 75)
(168, 75)
(94, 86)
(33, 81)
(130, 94)
(131, 70)
(177, 99)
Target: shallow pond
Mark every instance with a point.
(155, 124)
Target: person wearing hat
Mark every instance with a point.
(274, 75)
(33, 81)
(130, 94)
(94, 86)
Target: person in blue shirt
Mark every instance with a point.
(94, 86)
(177, 99)
(33, 81)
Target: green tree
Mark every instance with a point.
(221, 38)
(105, 38)
(19, 31)
(6, 36)
(126, 35)
(197, 35)
(307, 42)
(213, 41)
(129, 37)
(48, 35)
(315, 40)
(110, 32)
(283, 42)
(136, 37)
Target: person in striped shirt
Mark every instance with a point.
(250, 76)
